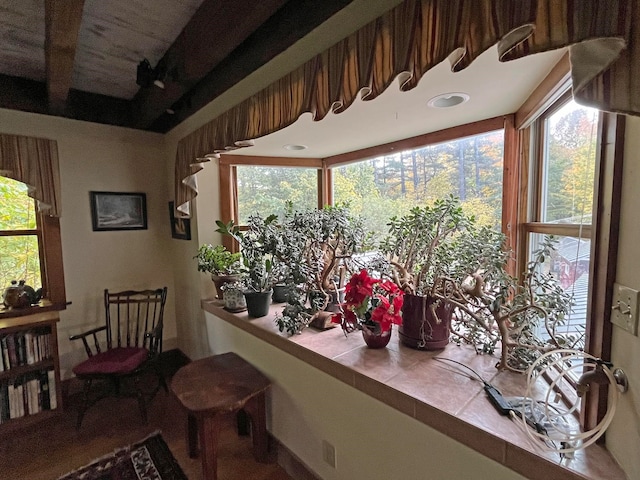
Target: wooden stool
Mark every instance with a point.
(216, 386)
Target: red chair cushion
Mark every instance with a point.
(116, 360)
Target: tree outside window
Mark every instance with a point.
(19, 251)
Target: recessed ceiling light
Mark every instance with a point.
(292, 146)
(447, 100)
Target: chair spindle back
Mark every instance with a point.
(132, 314)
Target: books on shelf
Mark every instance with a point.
(28, 394)
(24, 348)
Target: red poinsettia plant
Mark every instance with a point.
(370, 302)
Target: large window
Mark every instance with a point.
(30, 246)
(469, 168)
(19, 250)
(266, 190)
(562, 186)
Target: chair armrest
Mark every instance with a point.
(83, 336)
(87, 333)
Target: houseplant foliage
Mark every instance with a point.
(315, 249)
(259, 259)
(223, 265)
(440, 253)
(370, 304)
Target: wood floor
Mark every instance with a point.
(54, 447)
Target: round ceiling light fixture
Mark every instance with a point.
(292, 146)
(447, 100)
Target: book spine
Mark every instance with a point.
(5, 353)
(44, 391)
(53, 401)
(4, 402)
(11, 348)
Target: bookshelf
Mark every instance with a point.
(29, 369)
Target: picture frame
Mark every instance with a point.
(180, 227)
(118, 211)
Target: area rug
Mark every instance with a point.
(148, 459)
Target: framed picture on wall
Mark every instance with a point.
(180, 227)
(118, 211)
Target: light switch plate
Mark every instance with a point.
(624, 310)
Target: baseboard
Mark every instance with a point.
(295, 467)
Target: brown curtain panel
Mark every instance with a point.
(409, 40)
(34, 162)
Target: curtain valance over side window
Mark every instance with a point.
(414, 37)
(34, 162)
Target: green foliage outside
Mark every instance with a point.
(19, 258)
(470, 169)
(264, 191)
(571, 139)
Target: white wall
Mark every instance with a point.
(623, 437)
(306, 406)
(104, 158)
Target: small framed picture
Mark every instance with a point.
(118, 211)
(180, 227)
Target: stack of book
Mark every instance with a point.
(24, 348)
(28, 394)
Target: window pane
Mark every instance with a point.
(18, 210)
(469, 168)
(570, 266)
(569, 164)
(19, 260)
(265, 190)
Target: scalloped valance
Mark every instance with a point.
(414, 37)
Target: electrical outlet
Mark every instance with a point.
(329, 454)
(624, 311)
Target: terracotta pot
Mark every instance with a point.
(220, 280)
(257, 303)
(420, 329)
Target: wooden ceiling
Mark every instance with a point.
(78, 58)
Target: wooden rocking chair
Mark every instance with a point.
(133, 334)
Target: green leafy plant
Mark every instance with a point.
(440, 252)
(217, 260)
(316, 247)
(258, 250)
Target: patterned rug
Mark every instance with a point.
(148, 459)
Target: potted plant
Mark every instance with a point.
(316, 246)
(453, 270)
(258, 247)
(233, 297)
(223, 265)
(372, 305)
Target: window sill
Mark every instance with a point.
(43, 306)
(454, 403)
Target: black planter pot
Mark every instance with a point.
(258, 303)
(279, 293)
(420, 329)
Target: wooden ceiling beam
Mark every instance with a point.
(31, 96)
(62, 24)
(217, 28)
(291, 23)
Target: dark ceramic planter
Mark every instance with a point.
(258, 303)
(279, 293)
(419, 328)
(375, 340)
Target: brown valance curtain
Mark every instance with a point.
(34, 162)
(417, 35)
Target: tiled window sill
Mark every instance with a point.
(436, 393)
